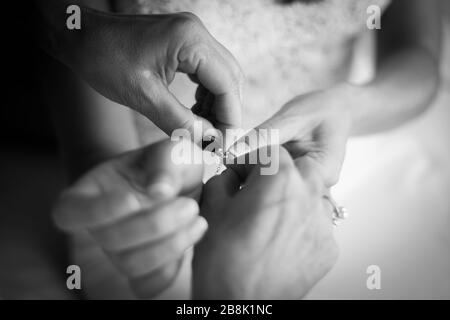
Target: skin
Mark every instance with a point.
(132, 60)
(404, 85)
(272, 239)
(317, 124)
(143, 216)
(310, 127)
(144, 219)
(93, 130)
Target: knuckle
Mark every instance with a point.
(189, 16)
(188, 123)
(187, 22)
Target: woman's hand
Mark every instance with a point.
(272, 239)
(139, 209)
(316, 125)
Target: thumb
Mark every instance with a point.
(265, 135)
(216, 69)
(169, 114)
(166, 168)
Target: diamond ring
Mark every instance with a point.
(339, 212)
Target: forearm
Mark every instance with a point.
(407, 76)
(52, 34)
(89, 127)
(405, 85)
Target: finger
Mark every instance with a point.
(314, 181)
(76, 211)
(327, 151)
(150, 285)
(320, 142)
(265, 161)
(263, 136)
(228, 182)
(170, 168)
(217, 193)
(219, 74)
(284, 126)
(283, 170)
(281, 186)
(315, 186)
(143, 260)
(148, 225)
(129, 183)
(242, 166)
(167, 112)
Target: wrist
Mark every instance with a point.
(78, 47)
(55, 38)
(347, 99)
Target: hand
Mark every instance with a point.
(316, 125)
(138, 207)
(133, 59)
(270, 240)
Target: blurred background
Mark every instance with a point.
(395, 185)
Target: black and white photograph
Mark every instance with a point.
(242, 151)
